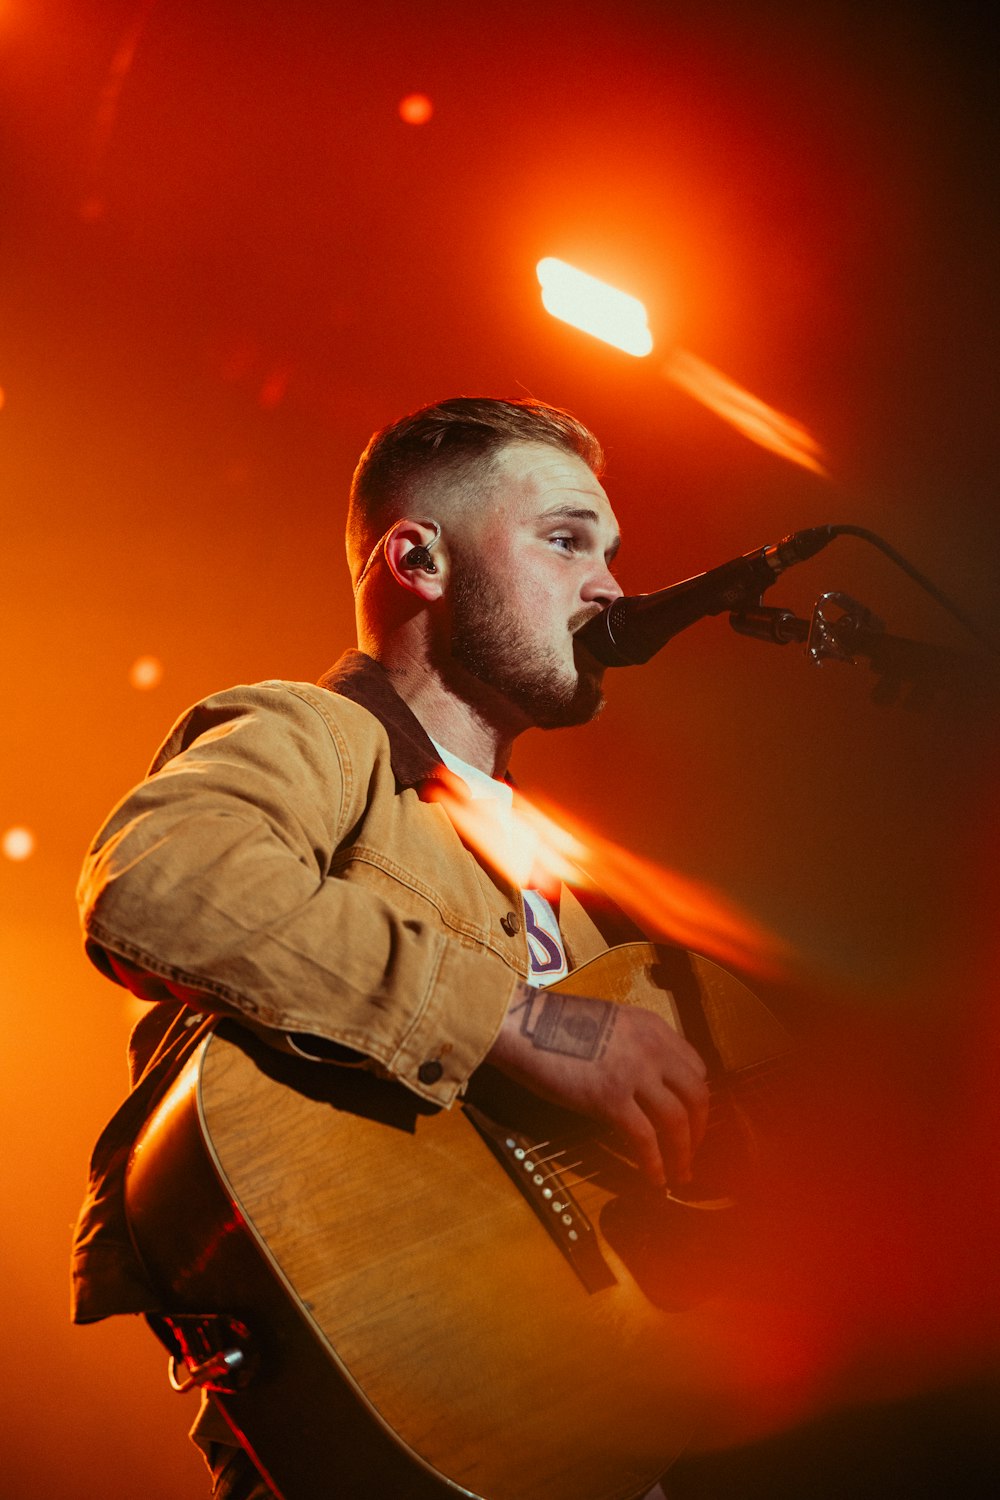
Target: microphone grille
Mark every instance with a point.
(616, 615)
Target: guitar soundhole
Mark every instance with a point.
(726, 1164)
(681, 1246)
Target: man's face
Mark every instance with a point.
(530, 569)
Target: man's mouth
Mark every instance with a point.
(585, 659)
(584, 617)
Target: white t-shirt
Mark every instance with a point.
(545, 945)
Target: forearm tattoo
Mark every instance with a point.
(569, 1024)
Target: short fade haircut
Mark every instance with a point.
(448, 440)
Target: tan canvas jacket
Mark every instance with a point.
(280, 864)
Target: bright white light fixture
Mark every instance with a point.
(593, 306)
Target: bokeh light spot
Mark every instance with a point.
(145, 672)
(415, 109)
(275, 387)
(18, 843)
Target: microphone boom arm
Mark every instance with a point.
(914, 671)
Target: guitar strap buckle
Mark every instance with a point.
(208, 1351)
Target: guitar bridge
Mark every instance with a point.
(553, 1202)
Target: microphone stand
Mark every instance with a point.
(914, 672)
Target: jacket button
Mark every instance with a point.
(430, 1072)
(510, 923)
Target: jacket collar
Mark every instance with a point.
(360, 678)
(415, 760)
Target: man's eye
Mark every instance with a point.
(566, 543)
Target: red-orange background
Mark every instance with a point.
(224, 264)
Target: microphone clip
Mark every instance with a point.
(845, 636)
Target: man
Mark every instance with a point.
(282, 866)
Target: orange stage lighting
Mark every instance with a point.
(663, 902)
(92, 206)
(145, 672)
(415, 109)
(620, 319)
(539, 848)
(18, 843)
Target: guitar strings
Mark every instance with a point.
(746, 1080)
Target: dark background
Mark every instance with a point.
(225, 260)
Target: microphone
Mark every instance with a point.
(631, 630)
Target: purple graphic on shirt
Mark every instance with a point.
(546, 955)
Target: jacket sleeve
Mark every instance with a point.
(209, 884)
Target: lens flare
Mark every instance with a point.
(756, 420)
(619, 319)
(92, 206)
(540, 846)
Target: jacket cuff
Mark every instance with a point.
(468, 998)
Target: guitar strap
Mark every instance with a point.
(676, 974)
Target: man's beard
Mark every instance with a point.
(494, 647)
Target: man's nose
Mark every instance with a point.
(603, 588)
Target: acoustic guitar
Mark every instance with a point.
(390, 1300)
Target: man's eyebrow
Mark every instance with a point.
(580, 513)
(571, 512)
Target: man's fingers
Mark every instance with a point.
(686, 1053)
(669, 1118)
(659, 1135)
(643, 1143)
(693, 1092)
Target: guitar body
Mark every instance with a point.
(419, 1327)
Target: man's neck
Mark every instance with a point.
(462, 723)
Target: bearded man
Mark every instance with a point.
(283, 866)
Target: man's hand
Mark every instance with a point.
(618, 1064)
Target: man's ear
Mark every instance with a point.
(413, 559)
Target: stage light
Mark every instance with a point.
(594, 307)
(620, 319)
(18, 843)
(415, 109)
(145, 672)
